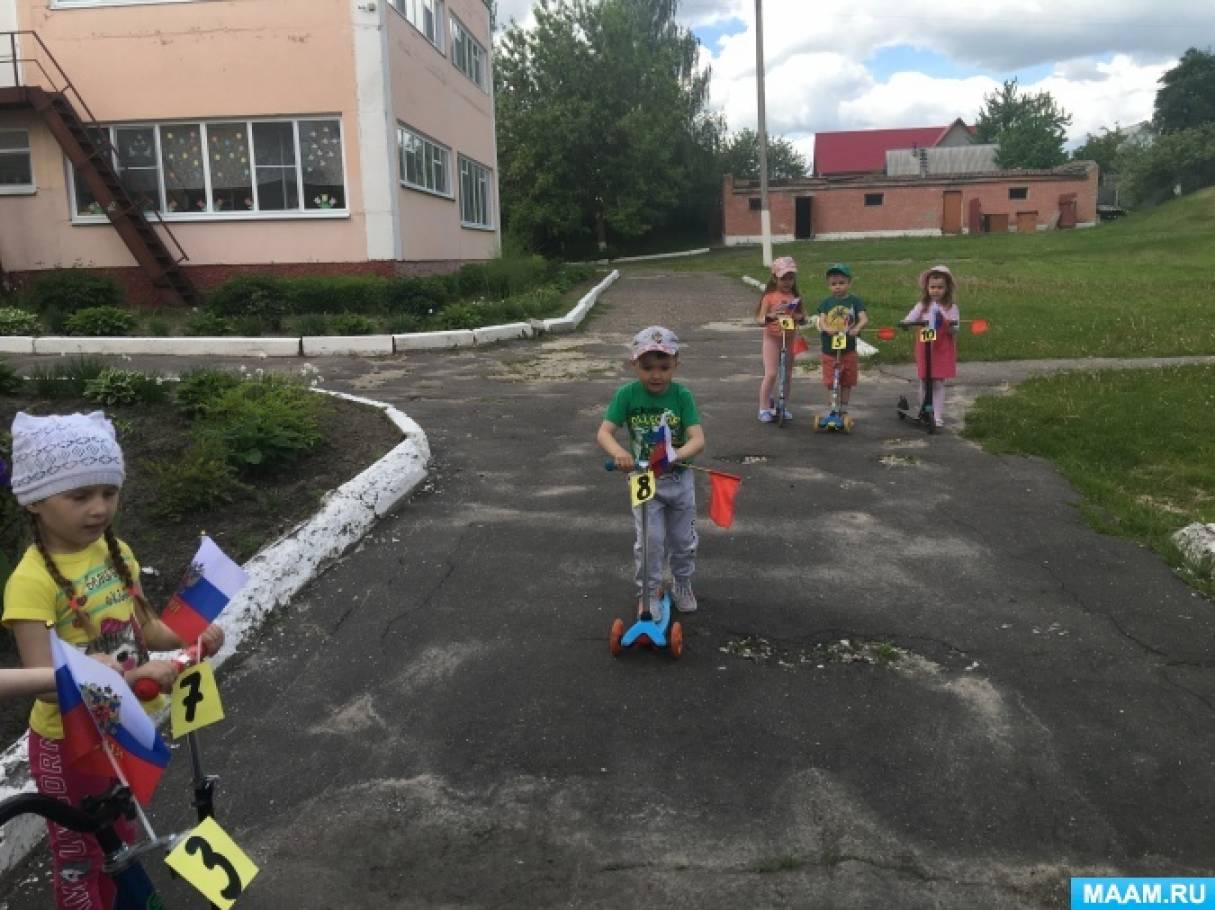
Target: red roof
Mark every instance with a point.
(862, 151)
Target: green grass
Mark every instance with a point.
(1138, 444)
(1141, 286)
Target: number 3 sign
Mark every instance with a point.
(210, 861)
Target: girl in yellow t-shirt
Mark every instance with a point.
(80, 580)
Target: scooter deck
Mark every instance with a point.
(646, 630)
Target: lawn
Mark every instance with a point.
(1141, 286)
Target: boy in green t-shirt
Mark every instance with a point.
(843, 311)
(650, 408)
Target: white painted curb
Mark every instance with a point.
(508, 332)
(276, 573)
(16, 344)
(1197, 544)
(863, 347)
(218, 346)
(320, 345)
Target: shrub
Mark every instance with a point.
(157, 327)
(420, 296)
(311, 324)
(69, 290)
(10, 381)
(14, 321)
(197, 480)
(403, 324)
(100, 320)
(570, 275)
(262, 424)
(459, 316)
(472, 280)
(208, 325)
(337, 294)
(541, 302)
(249, 326)
(353, 324)
(119, 387)
(513, 274)
(65, 380)
(251, 295)
(198, 388)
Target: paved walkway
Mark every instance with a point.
(436, 722)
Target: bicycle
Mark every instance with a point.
(96, 816)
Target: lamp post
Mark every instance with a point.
(765, 218)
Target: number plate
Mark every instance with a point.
(839, 341)
(928, 335)
(787, 323)
(641, 488)
(210, 861)
(195, 700)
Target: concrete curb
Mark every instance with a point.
(276, 573)
(311, 345)
(1197, 544)
(650, 256)
(863, 347)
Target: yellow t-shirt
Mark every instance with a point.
(31, 594)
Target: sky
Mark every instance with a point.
(875, 64)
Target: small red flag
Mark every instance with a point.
(799, 345)
(722, 489)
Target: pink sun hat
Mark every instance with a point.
(939, 270)
(783, 266)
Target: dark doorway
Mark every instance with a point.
(802, 229)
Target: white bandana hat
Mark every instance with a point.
(63, 452)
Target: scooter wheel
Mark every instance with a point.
(614, 644)
(676, 639)
(818, 422)
(848, 424)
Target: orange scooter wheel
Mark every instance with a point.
(676, 639)
(614, 639)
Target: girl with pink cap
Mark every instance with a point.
(780, 298)
(938, 308)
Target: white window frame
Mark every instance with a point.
(402, 132)
(475, 60)
(477, 171)
(90, 4)
(256, 214)
(415, 11)
(20, 189)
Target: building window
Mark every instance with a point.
(754, 203)
(873, 199)
(228, 168)
(72, 4)
(467, 53)
(424, 15)
(1018, 192)
(474, 194)
(424, 165)
(16, 165)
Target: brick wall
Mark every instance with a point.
(912, 206)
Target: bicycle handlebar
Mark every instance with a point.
(99, 812)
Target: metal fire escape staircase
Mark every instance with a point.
(86, 144)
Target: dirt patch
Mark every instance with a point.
(355, 437)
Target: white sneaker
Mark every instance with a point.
(685, 600)
(656, 611)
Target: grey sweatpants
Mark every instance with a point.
(671, 522)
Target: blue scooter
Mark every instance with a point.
(648, 630)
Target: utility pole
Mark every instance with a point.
(765, 218)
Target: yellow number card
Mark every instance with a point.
(210, 861)
(195, 700)
(928, 335)
(839, 341)
(641, 488)
(787, 323)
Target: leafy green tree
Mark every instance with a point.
(602, 122)
(1187, 96)
(1102, 148)
(1180, 161)
(1030, 129)
(740, 157)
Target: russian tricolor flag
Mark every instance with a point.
(662, 449)
(211, 581)
(100, 713)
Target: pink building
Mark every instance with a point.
(327, 136)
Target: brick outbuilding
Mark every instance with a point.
(877, 205)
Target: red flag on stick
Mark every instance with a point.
(722, 489)
(800, 345)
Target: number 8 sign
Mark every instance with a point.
(641, 488)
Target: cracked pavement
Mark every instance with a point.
(436, 721)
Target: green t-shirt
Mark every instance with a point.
(836, 315)
(640, 413)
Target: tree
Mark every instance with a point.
(602, 121)
(1187, 98)
(1181, 161)
(740, 157)
(1103, 149)
(1030, 129)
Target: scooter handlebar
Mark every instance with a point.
(610, 465)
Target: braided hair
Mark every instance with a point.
(77, 602)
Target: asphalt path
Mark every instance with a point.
(917, 679)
